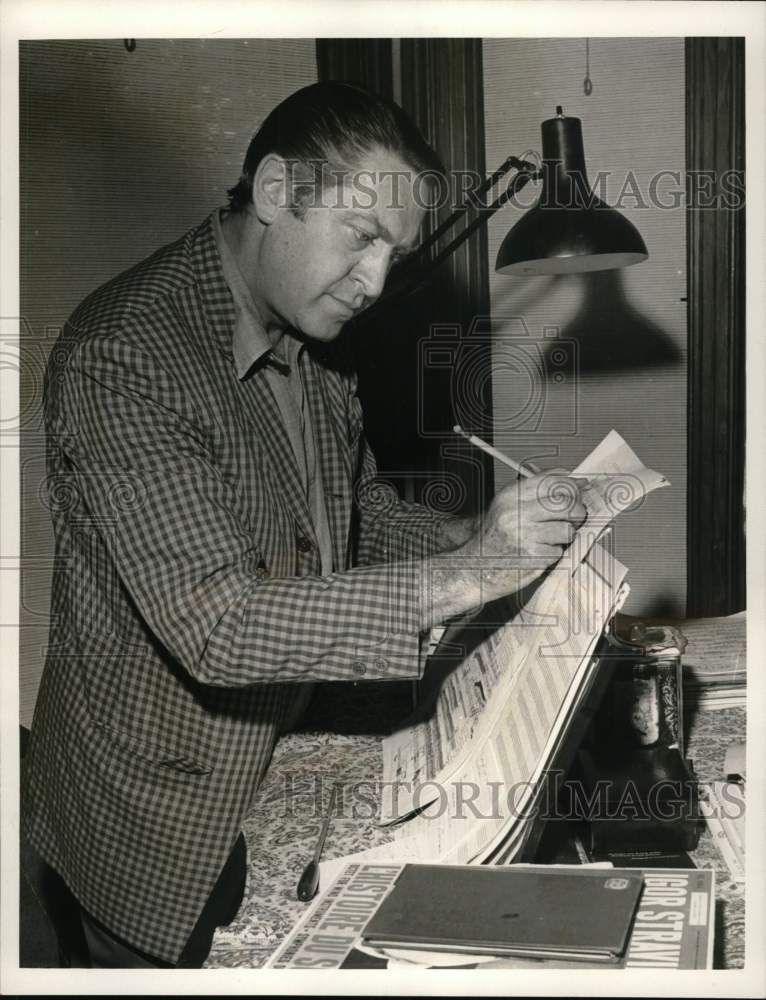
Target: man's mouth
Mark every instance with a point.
(347, 307)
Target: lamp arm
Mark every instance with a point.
(515, 185)
(513, 162)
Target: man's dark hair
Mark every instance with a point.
(329, 123)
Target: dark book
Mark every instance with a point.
(583, 915)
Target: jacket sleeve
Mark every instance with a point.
(389, 528)
(140, 461)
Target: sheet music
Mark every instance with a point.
(475, 810)
(431, 749)
(435, 748)
(509, 751)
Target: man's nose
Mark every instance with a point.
(371, 274)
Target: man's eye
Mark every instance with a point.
(362, 237)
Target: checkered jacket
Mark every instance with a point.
(186, 591)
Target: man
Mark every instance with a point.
(218, 537)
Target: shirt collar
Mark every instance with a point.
(250, 342)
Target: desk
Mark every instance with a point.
(342, 742)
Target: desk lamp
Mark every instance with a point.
(568, 231)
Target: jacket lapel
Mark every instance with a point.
(254, 393)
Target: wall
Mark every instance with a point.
(623, 363)
(120, 153)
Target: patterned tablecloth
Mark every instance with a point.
(341, 742)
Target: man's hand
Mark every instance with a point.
(525, 531)
(528, 525)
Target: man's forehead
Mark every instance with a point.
(390, 197)
(395, 180)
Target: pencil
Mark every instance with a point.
(499, 455)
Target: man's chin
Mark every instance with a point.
(324, 332)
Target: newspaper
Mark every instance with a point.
(326, 934)
(673, 928)
(534, 658)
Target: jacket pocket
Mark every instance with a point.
(154, 753)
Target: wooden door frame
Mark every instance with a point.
(715, 144)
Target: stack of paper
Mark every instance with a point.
(715, 674)
(722, 803)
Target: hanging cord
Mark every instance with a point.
(587, 84)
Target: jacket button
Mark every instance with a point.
(358, 667)
(380, 664)
(303, 544)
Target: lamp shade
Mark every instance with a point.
(569, 230)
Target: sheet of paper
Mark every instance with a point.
(614, 457)
(617, 481)
(431, 750)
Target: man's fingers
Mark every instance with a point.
(546, 555)
(559, 533)
(579, 514)
(559, 498)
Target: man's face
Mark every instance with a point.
(320, 270)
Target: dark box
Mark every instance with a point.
(639, 799)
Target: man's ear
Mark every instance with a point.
(270, 192)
